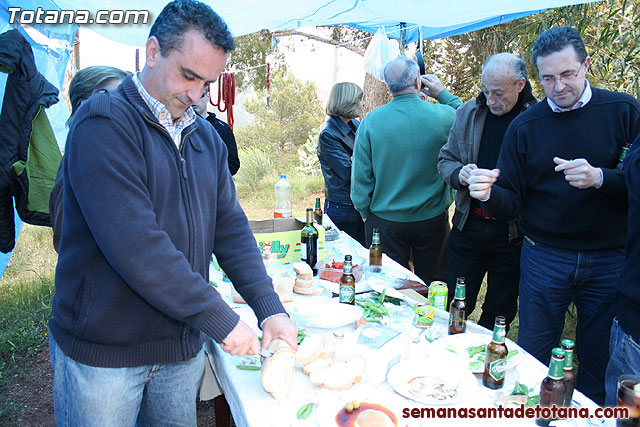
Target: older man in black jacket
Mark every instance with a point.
(480, 244)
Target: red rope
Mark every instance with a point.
(268, 83)
(226, 94)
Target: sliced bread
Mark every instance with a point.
(277, 374)
(303, 271)
(316, 366)
(309, 350)
(341, 375)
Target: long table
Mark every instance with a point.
(250, 405)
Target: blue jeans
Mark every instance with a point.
(624, 358)
(550, 278)
(155, 395)
(347, 219)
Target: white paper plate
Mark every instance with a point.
(456, 345)
(326, 314)
(402, 373)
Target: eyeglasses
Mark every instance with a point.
(566, 77)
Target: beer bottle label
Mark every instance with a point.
(347, 294)
(457, 318)
(568, 360)
(348, 269)
(499, 334)
(497, 369)
(460, 291)
(376, 238)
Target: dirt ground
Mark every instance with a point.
(33, 392)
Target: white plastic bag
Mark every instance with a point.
(380, 52)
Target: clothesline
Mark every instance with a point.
(338, 45)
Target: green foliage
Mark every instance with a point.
(255, 164)
(308, 155)
(350, 35)
(294, 110)
(26, 291)
(610, 30)
(254, 50)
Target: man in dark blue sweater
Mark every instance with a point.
(148, 198)
(557, 169)
(625, 331)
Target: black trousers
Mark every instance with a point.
(423, 241)
(483, 247)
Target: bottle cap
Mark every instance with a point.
(347, 257)
(500, 320)
(283, 176)
(558, 352)
(568, 343)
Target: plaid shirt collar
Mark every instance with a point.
(164, 116)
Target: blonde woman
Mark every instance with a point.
(335, 148)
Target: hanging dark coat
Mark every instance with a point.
(23, 122)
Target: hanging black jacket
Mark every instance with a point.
(27, 92)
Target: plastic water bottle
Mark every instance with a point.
(282, 207)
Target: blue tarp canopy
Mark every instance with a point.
(436, 18)
(52, 44)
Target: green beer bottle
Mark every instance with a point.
(495, 360)
(552, 388)
(375, 251)
(317, 212)
(347, 283)
(569, 376)
(457, 310)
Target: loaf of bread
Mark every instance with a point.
(283, 285)
(277, 373)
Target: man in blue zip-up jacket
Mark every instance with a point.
(147, 198)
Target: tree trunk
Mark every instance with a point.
(376, 93)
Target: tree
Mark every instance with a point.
(609, 29)
(252, 53)
(294, 111)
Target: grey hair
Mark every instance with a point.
(519, 67)
(556, 39)
(87, 80)
(402, 79)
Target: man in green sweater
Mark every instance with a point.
(394, 181)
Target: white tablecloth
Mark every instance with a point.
(252, 406)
